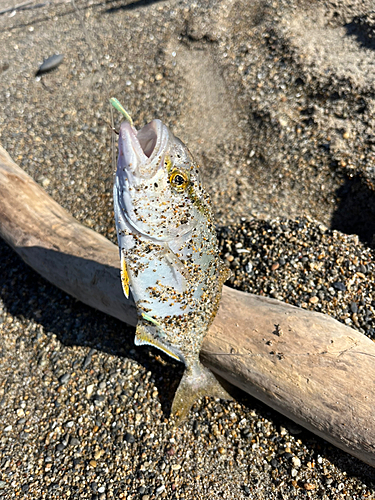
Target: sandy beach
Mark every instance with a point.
(276, 102)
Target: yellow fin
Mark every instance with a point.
(124, 278)
(143, 337)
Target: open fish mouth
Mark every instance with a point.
(143, 150)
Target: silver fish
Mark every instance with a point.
(168, 250)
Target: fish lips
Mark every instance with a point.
(141, 152)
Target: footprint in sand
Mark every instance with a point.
(209, 116)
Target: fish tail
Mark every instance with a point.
(197, 381)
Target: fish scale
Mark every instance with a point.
(168, 251)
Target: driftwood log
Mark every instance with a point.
(306, 365)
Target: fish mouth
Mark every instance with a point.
(141, 151)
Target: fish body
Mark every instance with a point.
(168, 251)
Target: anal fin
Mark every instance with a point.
(144, 337)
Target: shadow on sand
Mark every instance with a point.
(355, 213)
(363, 29)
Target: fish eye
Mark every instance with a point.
(179, 180)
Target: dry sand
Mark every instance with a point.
(276, 101)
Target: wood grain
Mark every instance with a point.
(306, 365)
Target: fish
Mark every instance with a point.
(168, 250)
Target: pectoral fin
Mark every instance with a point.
(176, 263)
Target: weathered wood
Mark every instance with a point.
(306, 365)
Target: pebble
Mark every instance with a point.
(50, 63)
(338, 285)
(249, 267)
(90, 389)
(309, 486)
(296, 462)
(129, 438)
(138, 418)
(88, 358)
(354, 307)
(64, 378)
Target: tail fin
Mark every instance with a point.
(197, 381)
